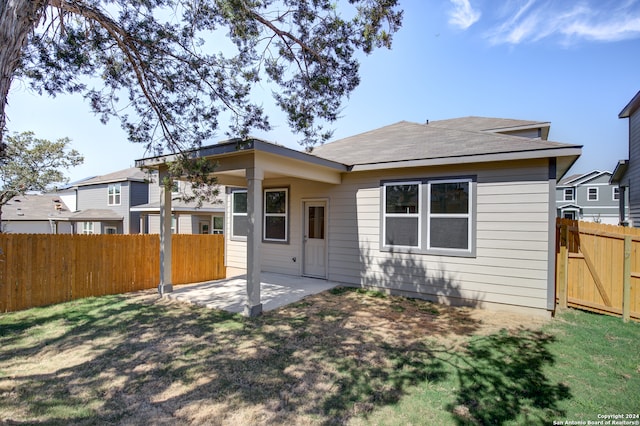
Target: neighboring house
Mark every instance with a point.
(423, 210)
(627, 173)
(588, 197)
(36, 214)
(103, 203)
(187, 217)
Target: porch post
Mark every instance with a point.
(255, 176)
(165, 285)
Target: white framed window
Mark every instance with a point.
(449, 215)
(276, 215)
(616, 193)
(592, 194)
(87, 228)
(569, 214)
(569, 194)
(402, 223)
(218, 225)
(114, 194)
(429, 216)
(239, 219)
(110, 230)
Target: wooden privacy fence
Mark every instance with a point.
(598, 268)
(41, 269)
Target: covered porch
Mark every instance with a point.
(249, 164)
(229, 294)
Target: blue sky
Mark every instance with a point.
(573, 63)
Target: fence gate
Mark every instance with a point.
(598, 268)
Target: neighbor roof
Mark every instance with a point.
(90, 215)
(132, 174)
(413, 143)
(491, 124)
(630, 107)
(35, 207)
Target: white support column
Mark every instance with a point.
(255, 176)
(166, 285)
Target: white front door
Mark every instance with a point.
(315, 242)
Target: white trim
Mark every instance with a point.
(616, 189)
(234, 214)
(87, 228)
(573, 194)
(468, 216)
(117, 194)
(285, 215)
(597, 193)
(417, 214)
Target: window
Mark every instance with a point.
(569, 194)
(218, 225)
(570, 214)
(239, 219)
(449, 215)
(429, 216)
(616, 193)
(110, 230)
(592, 194)
(402, 214)
(114, 194)
(276, 214)
(87, 228)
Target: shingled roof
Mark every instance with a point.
(488, 124)
(406, 142)
(35, 207)
(132, 173)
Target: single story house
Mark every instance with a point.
(37, 214)
(422, 210)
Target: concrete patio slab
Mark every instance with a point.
(230, 294)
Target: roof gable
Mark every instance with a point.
(631, 107)
(130, 174)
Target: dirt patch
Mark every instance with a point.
(140, 359)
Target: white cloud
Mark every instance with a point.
(463, 15)
(594, 20)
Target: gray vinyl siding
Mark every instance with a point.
(605, 209)
(633, 172)
(512, 238)
(30, 227)
(96, 197)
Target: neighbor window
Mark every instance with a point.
(275, 214)
(616, 193)
(110, 230)
(87, 228)
(592, 194)
(428, 216)
(114, 193)
(218, 225)
(239, 219)
(569, 194)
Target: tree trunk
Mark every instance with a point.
(18, 18)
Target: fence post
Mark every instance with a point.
(562, 279)
(626, 289)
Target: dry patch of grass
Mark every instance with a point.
(332, 358)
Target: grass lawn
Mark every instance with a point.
(340, 357)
